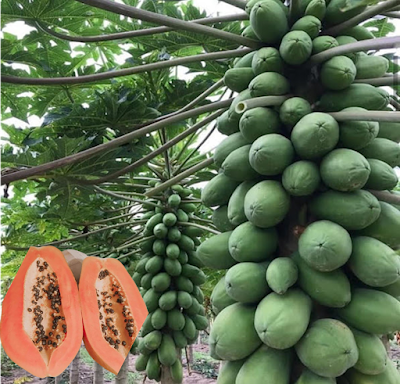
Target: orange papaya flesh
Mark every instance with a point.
(41, 325)
(113, 311)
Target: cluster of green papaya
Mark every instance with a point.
(313, 279)
(169, 277)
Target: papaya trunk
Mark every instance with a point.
(58, 379)
(74, 369)
(189, 354)
(98, 374)
(122, 377)
(166, 376)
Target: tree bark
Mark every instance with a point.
(190, 354)
(122, 377)
(98, 374)
(57, 379)
(74, 369)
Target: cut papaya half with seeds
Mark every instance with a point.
(41, 325)
(113, 311)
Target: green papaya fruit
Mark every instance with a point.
(220, 219)
(309, 377)
(387, 227)
(315, 135)
(269, 84)
(142, 349)
(344, 170)
(369, 67)
(251, 3)
(372, 357)
(153, 221)
(270, 154)
(218, 190)
(325, 246)
(183, 258)
(338, 73)
(309, 24)
(331, 289)
(257, 122)
(237, 165)
(390, 131)
(147, 327)
(152, 340)
(182, 216)
(267, 59)
(250, 243)
(269, 21)
(226, 124)
(323, 43)
(372, 311)
(292, 110)
(382, 176)
(384, 150)
(214, 252)
(389, 376)
(176, 372)
(282, 273)
(373, 262)
(316, 8)
(266, 365)
(238, 79)
(153, 367)
(246, 282)
(296, 47)
(161, 282)
(174, 234)
(281, 320)
(184, 299)
(190, 329)
(227, 146)
(356, 95)
(392, 290)
(359, 33)
(233, 336)
(151, 298)
(244, 61)
(249, 33)
(172, 251)
(141, 265)
(159, 319)
(180, 339)
(339, 11)
(200, 322)
(228, 371)
(137, 277)
(353, 211)
(167, 300)
(159, 247)
(301, 178)
(145, 281)
(175, 319)
(183, 284)
(233, 115)
(174, 200)
(236, 215)
(219, 298)
(172, 267)
(266, 204)
(328, 348)
(343, 40)
(141, 362)
(196, 275)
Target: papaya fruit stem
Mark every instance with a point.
(379, 81)
(204, 228)
(393, 15)
(379, 43)
(367, 14)
(388, 197)
(389, 116)
(236, 3)
(263, 101)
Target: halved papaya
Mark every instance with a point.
(41, 325)
(113, 311)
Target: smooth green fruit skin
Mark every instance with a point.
(245, 61)
(390, 131)
(151, 298)
(322, 43)
(281, 320)
(159, 247)
(331, 289)
(152, 340)
(384, 150)
(269, 84)
(250, 243)
(232, 335)
(336, 12)
(373, 262)
(141, 362)
(250, 4)
(392, 290)
(220, 219)
(246, 282)
(167, 301)
(316, 8)
(268, 21)
(174, 200)
(158, 319)
(359, 33)
(219, 298)
(267, 59)
(296, 47)
(357, 134)
(356, 95)
(266, 204)
(184, 284)
(387, 227)
(309, 24)
(214, 252)
(344, 170)
(167, 354)
(389, 376)
(372, 357)
(369, 67)
(338, 73)
(266, 365)
(328, 348)
(301, 178)
(352, 210)
(238, 79)
(161, 282)
(282, 273)
(372, 311)
(176, 372)
(172, 267)
(237, 165)
(249, 33)
(153, 368)
(309, 377)
(325, 246)
(179, 339)
(270, 154)
(218, 191)
(236, 214)
(292, 110)
(229, 371)
(227, 146)
(343, 40)
(174, 234)
(257, 122)
(315, 135)
(169, 219)
(226, 124)
(172, 251)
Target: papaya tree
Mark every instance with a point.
(300, 199)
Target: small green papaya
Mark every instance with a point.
(236, 214)
(220, 219)
(296, 47)
(359, 33)
(309, 24)
(269, 84)
(338, 73)
(267, 59)
(228, 145)
(384, 150)
(282, 273)
(245, 61)
(382, 176)
(369, 66)
(237, 166)
(257, 122)
(322, 43)
(238, 79)
(218, 190)
(316, 8)
(292, 110)
(301, 178)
